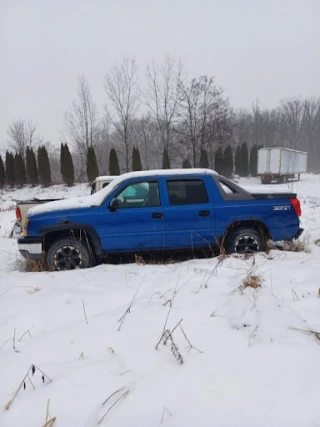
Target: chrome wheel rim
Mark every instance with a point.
(246, 244)
(67, 258)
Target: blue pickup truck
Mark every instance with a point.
(160, 210)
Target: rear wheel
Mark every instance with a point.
(244, 240)
(68, 254)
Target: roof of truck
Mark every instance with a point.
(106, 177)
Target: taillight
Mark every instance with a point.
(296, 206)
(18, 214)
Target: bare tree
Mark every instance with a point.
(204, 111)
(291, 119)
(22, 134)
(80, 123)
(163, 96)
(103, 145)
(123, 91)
(147, 139)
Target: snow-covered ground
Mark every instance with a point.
(257, 366)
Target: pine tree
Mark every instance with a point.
(69, 168)
(228, 162)
(218, 161)
(165, 160)
(17, 170)
(10, 174)
(32, 170)
(136, 160)
(238, 162)
(20, 170)
(204, 162)
(254, 160)
(245, 159)
(44, 167)
(92, 165)
(186, 164)
(114, 168)
(2, 174)
(66, 165)
(62, 162)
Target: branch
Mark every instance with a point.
(191, 346)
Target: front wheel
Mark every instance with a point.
(244, 240)
(67, 254)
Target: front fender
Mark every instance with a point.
(94, 237)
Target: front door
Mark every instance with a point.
(138, 224)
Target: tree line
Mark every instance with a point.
(172, 121)
(18, 171)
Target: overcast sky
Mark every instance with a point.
(257, 49)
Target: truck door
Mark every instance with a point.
(190, 215)
(139, 221)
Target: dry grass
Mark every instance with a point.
(253, 281)
(7, 208)
(37, 266)
(299, 245)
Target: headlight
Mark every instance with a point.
(25, 229)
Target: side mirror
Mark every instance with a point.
(114, 205)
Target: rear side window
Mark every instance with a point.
(187, 192)
(227, 188)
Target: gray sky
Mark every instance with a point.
(257, 49)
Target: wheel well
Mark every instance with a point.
(83, 235)
(254, 225)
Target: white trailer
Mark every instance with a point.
(280, 164)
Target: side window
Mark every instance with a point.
(226, 188)
(187, 192)
(140, 194)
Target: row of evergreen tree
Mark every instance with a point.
(19, 170)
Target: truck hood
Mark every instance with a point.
(85, 202)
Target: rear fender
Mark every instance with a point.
(254, 224)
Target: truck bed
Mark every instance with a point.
(261, 196)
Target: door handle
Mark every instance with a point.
(204, 213)
(157, 215)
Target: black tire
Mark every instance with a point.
(244, 240)
(67, 254)
(265, 181)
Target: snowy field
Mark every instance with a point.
(253, 363)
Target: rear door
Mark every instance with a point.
(139, 222)
(190, 215)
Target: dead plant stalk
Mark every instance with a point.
(122, 318)
(85, 313)
(31, 370)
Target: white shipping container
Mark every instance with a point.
(277, 162)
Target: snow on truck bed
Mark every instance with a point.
(252, 363)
